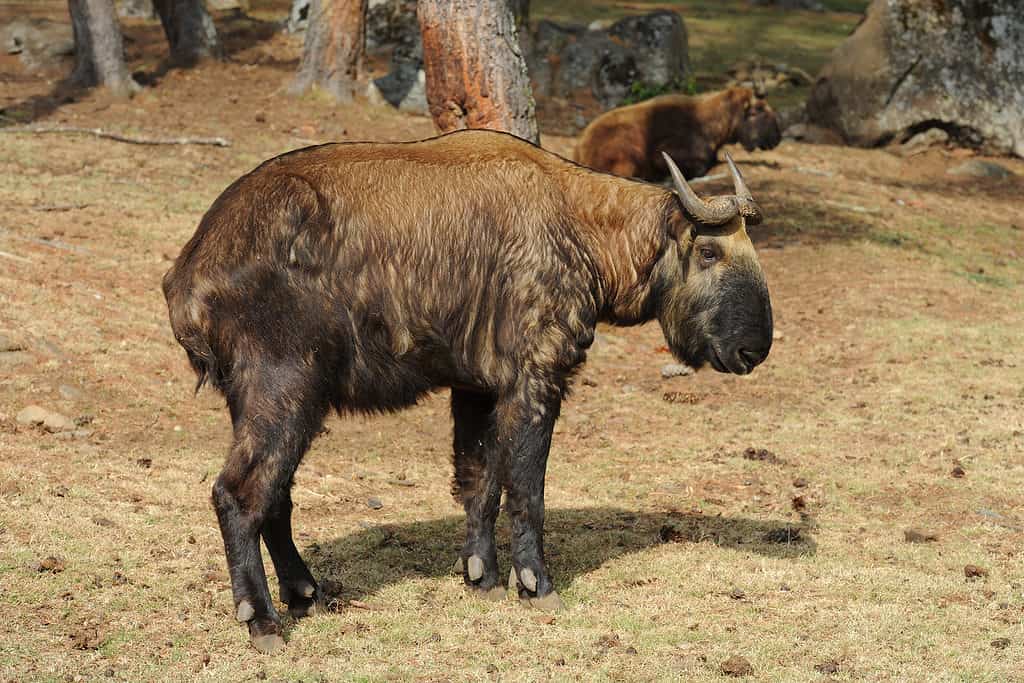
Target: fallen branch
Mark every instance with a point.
(58, 207)
(130, 139)
(15, 257)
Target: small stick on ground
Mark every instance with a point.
(58, 207)
(15, 257)
(119, 137)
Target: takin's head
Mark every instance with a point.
(759, 128)
(711, 295)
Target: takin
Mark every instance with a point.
(629, 141)
(362, 276)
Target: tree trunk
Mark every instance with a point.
(99, 50)
(189, 29)
(332, 57)
(476, 74)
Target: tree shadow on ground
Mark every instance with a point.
(578, 541)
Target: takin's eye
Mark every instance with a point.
(708, 256)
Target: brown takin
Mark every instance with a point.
(362, 276)
(629, 141)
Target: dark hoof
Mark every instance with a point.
(549, 603)
(492, 594)
(302, 597)
(304, 607)
(265, 635)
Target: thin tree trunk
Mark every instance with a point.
(332, 57)
(99, 50)
(189, 29)
(476, 74)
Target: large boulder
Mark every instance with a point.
(583, 71)
(912, 65)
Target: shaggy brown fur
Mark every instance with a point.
(361, 276)
(628, 141)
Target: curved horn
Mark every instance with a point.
(745, 203)
(716, 212)
(737, 179)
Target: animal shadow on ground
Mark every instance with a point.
(577, 541)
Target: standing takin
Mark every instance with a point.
(629, 141)
(362, 276)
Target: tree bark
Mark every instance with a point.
(332, 58)
(476, 74)
(189, 29)
(99, 50)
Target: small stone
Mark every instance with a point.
(631, 650)
(31, 415)
(51, 564)
(957, 472)
(737, 666)
(973, 571)
(799, 482)
(737, 594)
(978, 168)
(828, 667)
(144, 463)
(1000, 643)
(670, 370)
(9, 344)
(103, 521)
(918, 536)
(928, 138)
(374, 503)
(69, 393)
(777, 336)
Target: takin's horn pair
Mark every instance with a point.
(717, 210)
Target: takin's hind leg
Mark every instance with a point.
(477, 485)
(274, 422)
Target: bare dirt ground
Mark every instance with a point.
(893, 402)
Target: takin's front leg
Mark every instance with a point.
(527, 431)
(478, 486)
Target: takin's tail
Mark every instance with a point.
(187, 325)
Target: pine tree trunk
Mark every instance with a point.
(189, 29)
(476, 74)
(332, 58)
(99, 50)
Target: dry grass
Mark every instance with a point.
(899, 358)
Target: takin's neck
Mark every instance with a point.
(623, 225)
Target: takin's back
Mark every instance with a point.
(398, 265)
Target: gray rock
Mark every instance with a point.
(40, 43)
(391, 22)
(670, 370)
(577, 72)
(374, 503)
(978, 168)
(956, 64)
